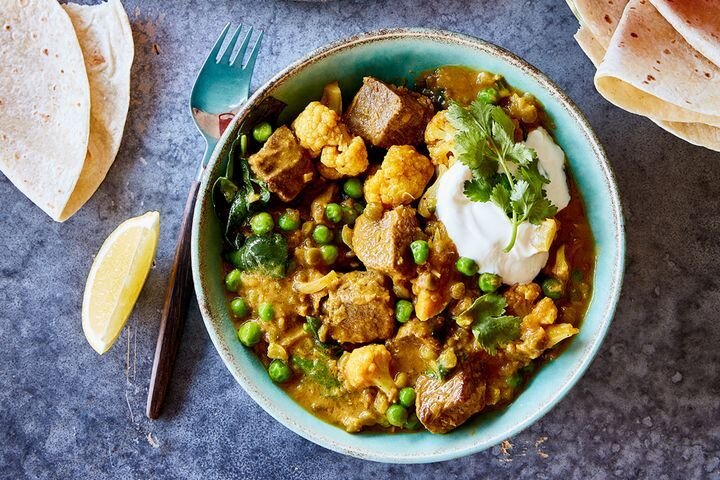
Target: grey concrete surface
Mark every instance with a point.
(649, 406)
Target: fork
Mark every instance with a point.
(221, 87)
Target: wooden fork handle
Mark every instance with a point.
(179, 290)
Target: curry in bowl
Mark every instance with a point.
(410, 259)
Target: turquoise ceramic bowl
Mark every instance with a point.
(401, 54)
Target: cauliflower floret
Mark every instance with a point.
(350, 160)
(368, 366)
(533, 338)
(559, 332)
(320, 131)
(318, 126)
(521, 297)
(440, 139)
(401, 178)
(524, 108)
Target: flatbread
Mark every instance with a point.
(589, 44)
(44, 102)
(698, 21)
(107, 44)
(696, 133)
(650, 69)
(600, 17)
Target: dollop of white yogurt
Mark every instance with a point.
(481, 230)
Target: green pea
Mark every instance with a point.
(406, 397)
(333, 212)
(261, 223)
(489, 96)
(552, 288)
(232, 280)
(413, 422)
(329, 254)
(489, 282)
(266, 312)
(403, 310)
(279, 371)
(239, 307)
(322, 235)
(420, 251)
(514, 381)
(289, 221)
(467, 266)
(396, 415)
(353, 188)
(262, 132)
(249, 334)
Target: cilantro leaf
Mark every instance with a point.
(540, 210)
(522, 154)
(478, 189)
(489, 305)
(471, 149)
(491, 327)
(496, 332)
(504, 121)
(501, 197)
(485, 143)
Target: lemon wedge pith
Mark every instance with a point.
(116, 278)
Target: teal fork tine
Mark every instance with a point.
(222, 85)
(231, 46)
(212, 56)
(250, 65)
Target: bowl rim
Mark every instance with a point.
(600, 158)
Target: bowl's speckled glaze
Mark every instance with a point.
(394, 55)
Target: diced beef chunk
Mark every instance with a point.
(385, 115)
(443, 405)
(413, 349)
(283, 164)
(383, 244)
(359, 309)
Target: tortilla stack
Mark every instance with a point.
(44, 102)
(107, 44)
(676, 90)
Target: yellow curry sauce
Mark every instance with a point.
(336, 374)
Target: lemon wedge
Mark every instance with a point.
(116, 277)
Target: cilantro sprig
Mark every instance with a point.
(491, 327)
(504, 172)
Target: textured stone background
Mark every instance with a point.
(648, 406)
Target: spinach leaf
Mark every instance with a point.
(317, 370)
(264, 253)
(237, 195)
(312, 325)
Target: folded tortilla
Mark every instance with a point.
(698, 21)
(651, 70)
(107, 44)
(600, 17)
(44, 102)
(590, 45)
(696, 133)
